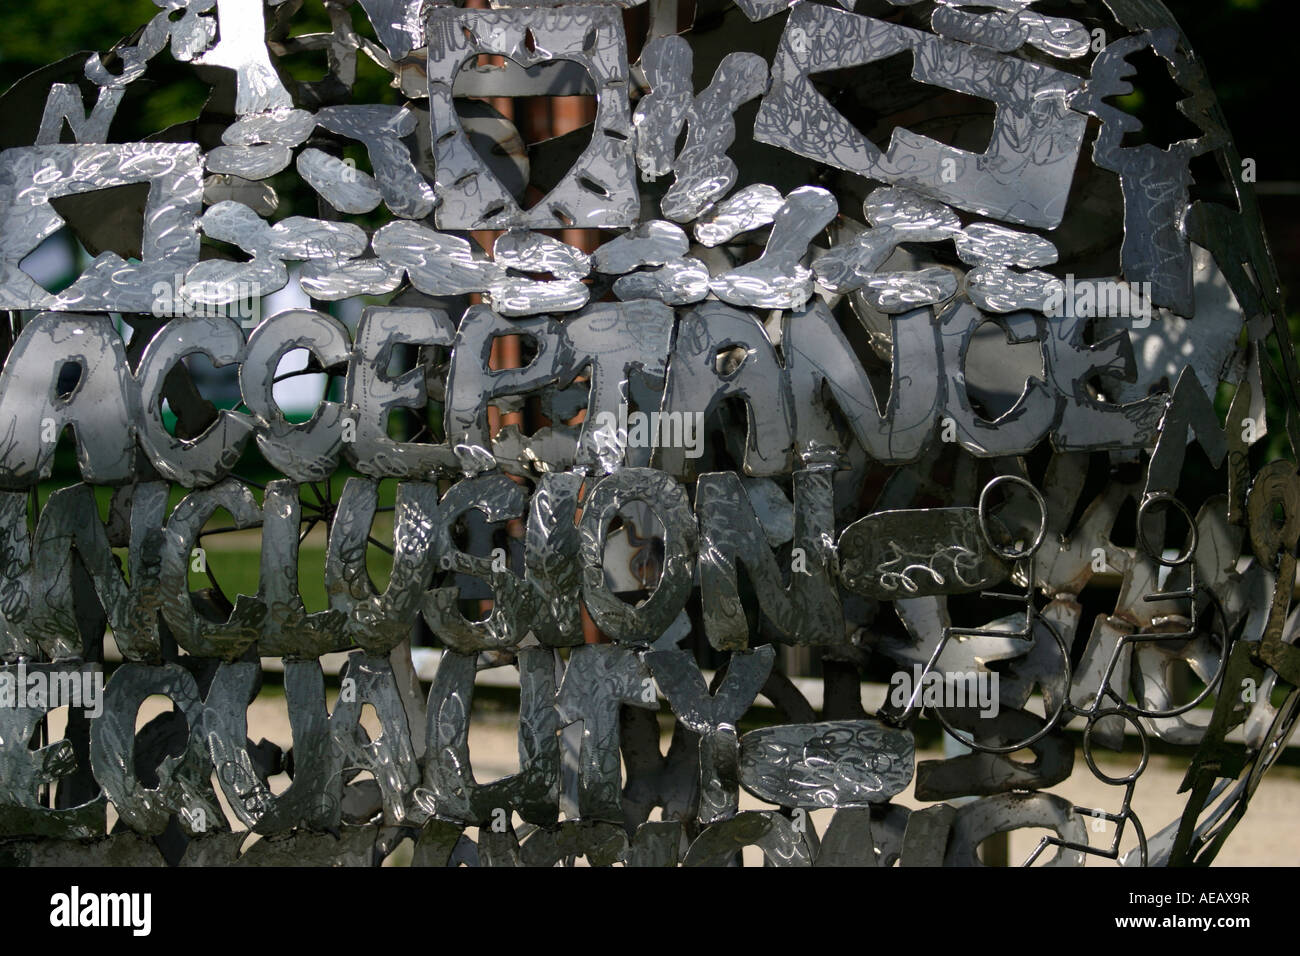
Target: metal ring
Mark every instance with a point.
(1010, 555)
(1210, 685)
(1280, 729)
(1087, 746)
(1048, 727)
(1142, 837)
(1189, 552)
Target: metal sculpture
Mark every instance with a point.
(788, 232)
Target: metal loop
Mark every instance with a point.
(1048, 727)
(1087, 746)
(1008, 554)
(1210, 685)
(1188, 552)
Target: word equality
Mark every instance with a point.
(593, 687)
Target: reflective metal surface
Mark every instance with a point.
(952, 409)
